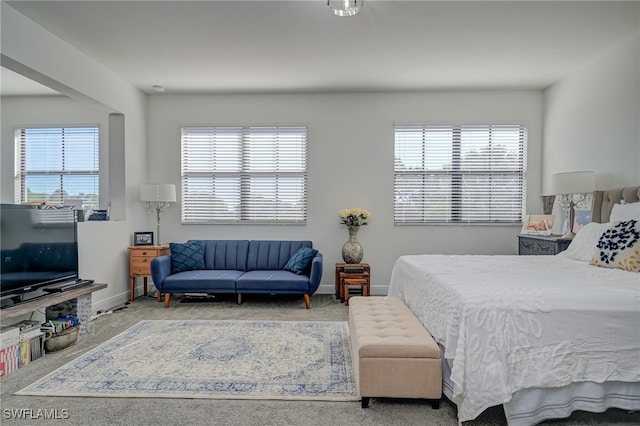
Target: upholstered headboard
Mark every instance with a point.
(603, 201)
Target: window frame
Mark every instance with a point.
(243, 176)
(21, 174)
(457, 206)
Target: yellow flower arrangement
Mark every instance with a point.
(354, 217)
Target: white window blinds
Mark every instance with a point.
(244, 174)
(459, 174)
(57, 165)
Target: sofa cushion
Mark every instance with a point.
(272, 282)
(300, 260)
(272, 255)
(186, 257)
(225, 254)
(202, 281)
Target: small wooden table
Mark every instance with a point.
(362, 279)
(140, 265)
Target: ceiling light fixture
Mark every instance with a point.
(345, 7)
(158, 88)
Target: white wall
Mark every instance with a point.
(31, 50)
(592, 119)
(350, 164)
(102, 245)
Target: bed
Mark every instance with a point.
(542, 335)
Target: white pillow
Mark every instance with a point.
(583, 245)
(625, 212)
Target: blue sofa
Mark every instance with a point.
(239, 267)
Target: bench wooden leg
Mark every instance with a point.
(239, 299)
(167, 297)
(365, 402)
(307, 301)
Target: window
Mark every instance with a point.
(459, 174)
(59, 165)
(244, 175)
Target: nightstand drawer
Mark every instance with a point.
(141, 271)
(151, 253)
(140, 265)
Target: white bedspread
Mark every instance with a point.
(515, 322)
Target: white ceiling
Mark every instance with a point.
(299, 46)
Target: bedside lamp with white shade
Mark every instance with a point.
(158, 197)
(573, 187)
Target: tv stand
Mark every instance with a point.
(83, 294)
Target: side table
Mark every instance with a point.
(140, 265)
(361, 278)
(541, 244)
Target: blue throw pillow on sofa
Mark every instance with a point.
(186, 257)
(299, 261)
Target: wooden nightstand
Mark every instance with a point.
(140, 265)
(361, 279)
(541, 244)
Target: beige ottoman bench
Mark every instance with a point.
(393, 355)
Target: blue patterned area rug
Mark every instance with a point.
(212, 359)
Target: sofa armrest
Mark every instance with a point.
(316, 273)
(160, 270)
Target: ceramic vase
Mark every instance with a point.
(352, 250)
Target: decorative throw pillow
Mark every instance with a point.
(583, 244)
(299, 261)
(619, 247)
(625, 211)
(186, 257)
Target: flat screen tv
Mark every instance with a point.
(39, 247)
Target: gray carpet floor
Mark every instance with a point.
(159, 411)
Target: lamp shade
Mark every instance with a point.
(162, 192)
(574, 182)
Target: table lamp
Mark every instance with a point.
(570, 184)
(157, 198)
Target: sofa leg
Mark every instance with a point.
(307, 301)
(159, 297)
(365, 402)
(167, 297)
(239, 299)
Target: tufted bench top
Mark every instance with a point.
(384, 327)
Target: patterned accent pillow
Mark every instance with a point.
(619, 247)
(186, 257)
(299, 261)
